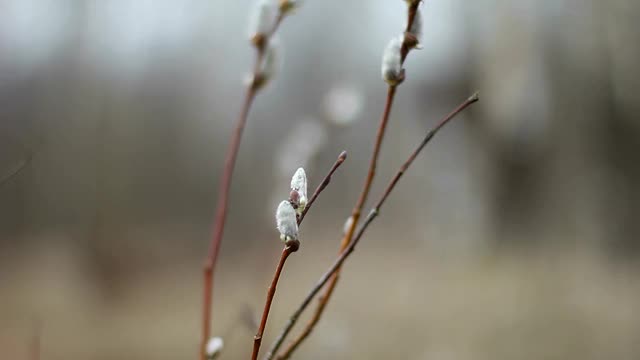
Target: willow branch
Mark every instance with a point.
(327, 179)
(223, 191)
(372, 215)
(357, 210)
(257, 339)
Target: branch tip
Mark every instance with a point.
(343, 156)
(346, 250)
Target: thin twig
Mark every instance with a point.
(327, 179)
(223, 193)
(220, 219)
(355, 216)
(292, 247)
(257, 339)
(357, 210)
(349, 249)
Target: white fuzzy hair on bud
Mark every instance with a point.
(262, 18)
(270, 64)
(299, 184)
(416, 27)
(392, 61)
(347, 225)
(286, 221)
(214, 347)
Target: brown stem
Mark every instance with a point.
(327, 179)
(223, 193)
(257, 339)
(356, 213)
(288, 250)
(335, 268)
(220, 218)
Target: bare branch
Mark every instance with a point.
(327, 179)
(409, 42)
(349, 249)
(225, 184)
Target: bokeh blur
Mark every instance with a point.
(514, 236)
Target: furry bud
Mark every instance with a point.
(286, 221)
(260, 21)
(415, 30)
(268, 66)
(299, 184)
(392, 71)
(214, 347)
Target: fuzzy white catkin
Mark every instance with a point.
(269, 66)
(261, 18)
(416, 26)
(286, 221)
(214, 347)
(299, 184)
(392, 61)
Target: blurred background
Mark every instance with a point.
(515, 235)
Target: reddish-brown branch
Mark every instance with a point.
(220, 218)
(257, 339)
(223, 193)
(335, 268)
(355, 216)
(327, 179)
(357, 210)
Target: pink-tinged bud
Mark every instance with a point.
(299, 184)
